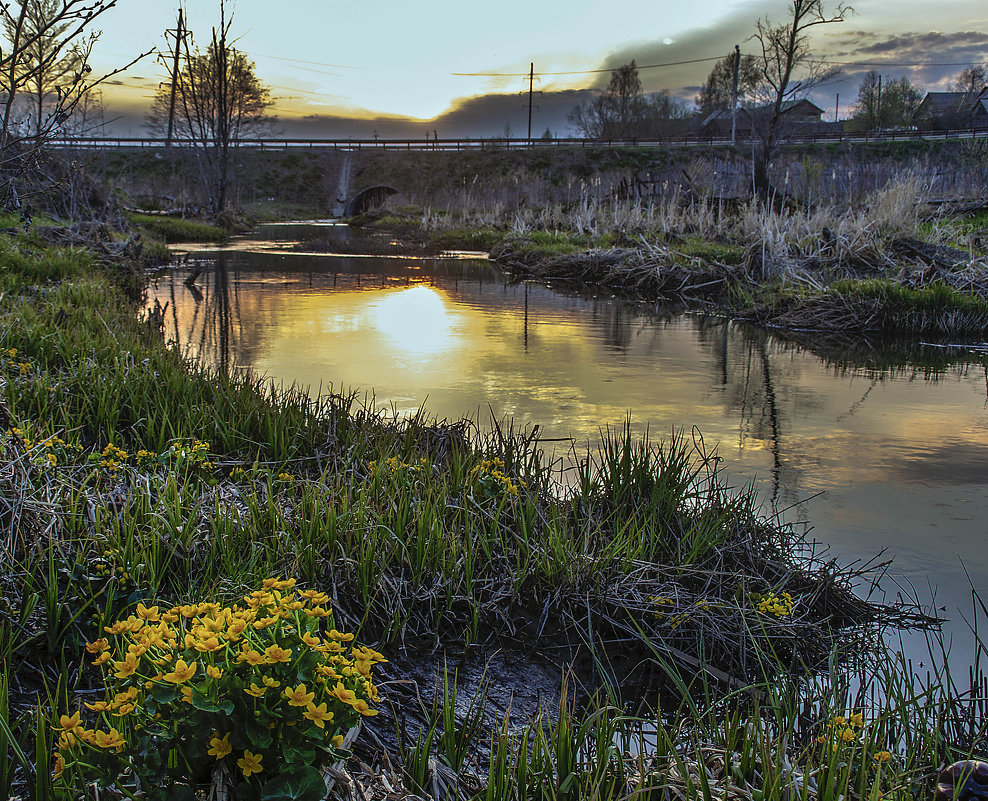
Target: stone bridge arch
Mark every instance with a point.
(366, 199)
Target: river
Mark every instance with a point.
(879, 452)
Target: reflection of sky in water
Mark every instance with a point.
(902, 461)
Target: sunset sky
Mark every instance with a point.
(348, 69)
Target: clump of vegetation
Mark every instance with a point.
(259, 693)
(173, 229)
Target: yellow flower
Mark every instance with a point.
(298, 696)
(270, 682)
(187, 693)
(71, 723)
(98, 646)
(182, 673)
(360, 705)
(883, 756)
(337, 741)
(275, 653)
(311, 639)
(59, 765)
(103, 658)
(343, 694)
(857, 719)
(108, 739)
(126, 668)
(251, 657)
(249, 764)
(219, 747)
(214, 672)
(318, 714)
(99, 706)
(209, 644)
(278, 584)
(254, 690)
(68, 740)
(151, 614)
(848, 735)
(337, 635)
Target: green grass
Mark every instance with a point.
(911, 306)
(712, 251)
(172, 229)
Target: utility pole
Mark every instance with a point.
(734, 93)
(531, 81)
(837, 108)
(179, 38)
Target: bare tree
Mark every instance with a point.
(47, 65)
(219, 100)
(788, 72)
(46, 59)
(971, 80)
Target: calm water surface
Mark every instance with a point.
(873, 458)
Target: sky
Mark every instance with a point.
(399, 68)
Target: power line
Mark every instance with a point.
(583, 72)
(303, 61)
(718, 58)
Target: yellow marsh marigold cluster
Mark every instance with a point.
(9, 362)
(263, 688)
(112, 458)
(395, 466)
(848, 731)
(490, 476)
(776, 605)
(49, 451)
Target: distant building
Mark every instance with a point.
(801, 116)
(942, 110)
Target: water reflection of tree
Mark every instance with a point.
(211, 323)
(757, 386)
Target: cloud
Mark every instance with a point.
(929, 46)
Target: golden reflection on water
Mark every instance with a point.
(902, 456)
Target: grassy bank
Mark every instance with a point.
(135, 481)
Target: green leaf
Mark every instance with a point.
(175, 792)
(164, 693)
(298, 755)
(259, 737)
(300, 784)
(204, 704)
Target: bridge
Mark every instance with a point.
(469, 144)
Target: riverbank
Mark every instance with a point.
(134, 477)
(895, 266)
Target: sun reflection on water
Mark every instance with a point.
(420, 321)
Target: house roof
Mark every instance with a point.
(790, 105)
(943, 102)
